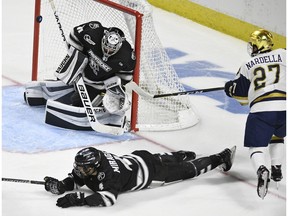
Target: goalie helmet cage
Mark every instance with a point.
(154, 72)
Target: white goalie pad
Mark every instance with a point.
(38, 92)
(71, 117)
(71, 66)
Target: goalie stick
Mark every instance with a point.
(94, 123)
(145, 94)
(23, 181)
(58, 22)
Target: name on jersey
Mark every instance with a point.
(263, 59)
(112, 162)
(99, 61)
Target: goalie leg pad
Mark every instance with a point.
(33, 94)
(38, 92)
(71, 117)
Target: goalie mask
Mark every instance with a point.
(87, 161)
(112, 42)
(260, 41)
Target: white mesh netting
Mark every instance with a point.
(156, 74)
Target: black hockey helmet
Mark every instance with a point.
(87, 161)
(112, 41)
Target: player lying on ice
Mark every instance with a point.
(106, 61)
(108, 175)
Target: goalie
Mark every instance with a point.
(106, 61)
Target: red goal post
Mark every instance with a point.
(153, 71)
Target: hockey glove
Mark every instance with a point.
(230, 88)
(54, 186)
(71, 199)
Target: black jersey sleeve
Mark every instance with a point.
(238, 88)
(72, 181)
(128, 59)
(105, 191)
(80, 35)
(101, 198)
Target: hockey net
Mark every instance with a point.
(154, 72)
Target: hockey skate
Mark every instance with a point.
(227, 157)
(276, 173)
(263, 181)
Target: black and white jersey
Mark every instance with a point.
(117, 174)
(87, 38)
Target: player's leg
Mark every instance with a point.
(258, 133)
(276, 149)
(175, 157)
(177, 171)
(276, 146)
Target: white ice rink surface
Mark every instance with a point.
(212, 194)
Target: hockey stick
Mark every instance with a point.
(23, 181)
(143, 93)
(58, 22)
(94, 123)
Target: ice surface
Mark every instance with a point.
(203, 58)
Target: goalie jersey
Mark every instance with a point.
(88, 39)
(115, 175)
(261, 82)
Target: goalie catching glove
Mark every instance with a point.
(115, 100)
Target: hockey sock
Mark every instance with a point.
(257, 156)
(276, 149)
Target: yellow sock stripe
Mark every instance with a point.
(276, 139)
(215, 20)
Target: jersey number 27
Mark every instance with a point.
(262, 76)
